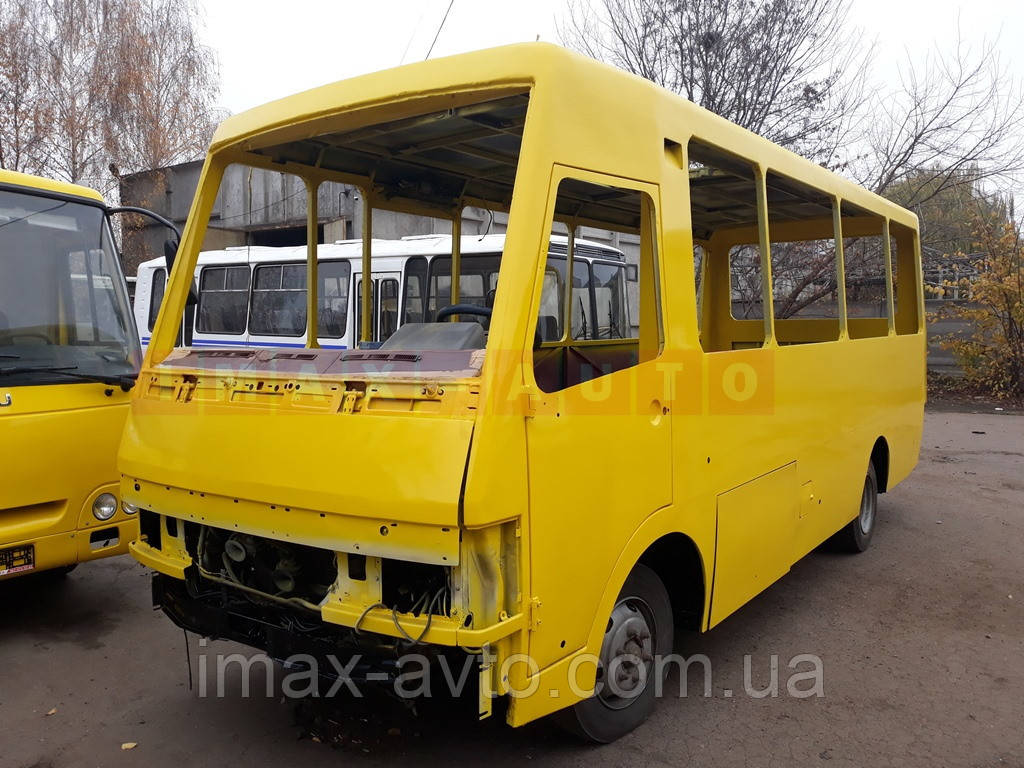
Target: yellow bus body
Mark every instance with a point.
(58, 450)
(493, 476)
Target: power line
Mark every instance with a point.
(438, 33)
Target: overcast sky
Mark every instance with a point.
(266, 52)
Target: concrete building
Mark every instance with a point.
(257, 207)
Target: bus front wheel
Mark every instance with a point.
(638, 635)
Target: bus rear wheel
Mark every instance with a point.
(856, 536)
(638, 634)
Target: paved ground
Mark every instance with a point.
(921, 641)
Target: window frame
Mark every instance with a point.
(200, 292)
(320, 297)
(253, 290)
(651, 191)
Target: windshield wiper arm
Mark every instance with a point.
(124, 380)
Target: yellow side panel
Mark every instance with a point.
(756, 522)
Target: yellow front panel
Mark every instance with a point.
(58, 451)
(368, 462)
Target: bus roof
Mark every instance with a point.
(653, 112)
(15, 179)
(414, 245)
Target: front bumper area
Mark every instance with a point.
(341, 608)
(60, 550)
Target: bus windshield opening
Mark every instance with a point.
(64, 302)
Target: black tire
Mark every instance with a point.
(605, 717)
(856, 536)
(58, 574)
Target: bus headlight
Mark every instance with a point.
(104, 507)
(130, 509)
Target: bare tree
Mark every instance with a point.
(794, 72)
(23, 116)
(74, 78)
(87, 85)
(789, 70)
(161, 108)
(956, 121)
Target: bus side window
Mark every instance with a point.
(388, 308)
(583, 324)
(552, 299)
(278, 300)
(415, 290)
(611, 320)
(730, 276)
(223, 299)
(582, 310)
(156, 295)
(806, 291)
(332, 298)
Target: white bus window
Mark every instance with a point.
(388, 308)
(582, 311)
(610, 318)
(415, 290)
(552, 299)
(332, 298)
(156, 295)
(475, 274)
(223, 299)
(278, 300)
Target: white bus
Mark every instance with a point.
(256, 295)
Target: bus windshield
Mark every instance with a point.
(63, 304)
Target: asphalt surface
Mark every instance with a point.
(921, 642)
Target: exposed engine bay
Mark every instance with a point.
(268, 593)
(292, 574)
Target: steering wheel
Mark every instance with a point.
(474, 309)
(461, 309)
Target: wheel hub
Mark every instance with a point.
(626, 654)
(867, 509)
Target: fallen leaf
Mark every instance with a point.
(129, 745)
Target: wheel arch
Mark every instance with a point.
(677, 559)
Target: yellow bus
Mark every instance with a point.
(69, 352)
(546, 481)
